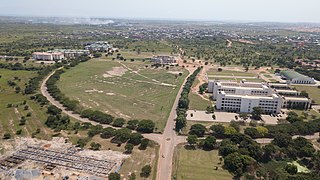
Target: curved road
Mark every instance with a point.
(167, 141)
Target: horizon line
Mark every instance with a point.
(160, 19)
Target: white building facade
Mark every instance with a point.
(244, 96)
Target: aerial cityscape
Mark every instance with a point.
(157, 93)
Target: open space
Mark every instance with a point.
(313, 92)
(124, 89)
(198, 165)
(10, 116)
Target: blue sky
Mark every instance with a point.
(222, 10)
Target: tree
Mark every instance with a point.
(95, 146)
(262, 131)
(210, 109)
(293, 117)
(256, 113)
(282, 140)
(198, 129)
(6, 136)
(181, 122)
(135, 138)
(227, 149)
(203, 88)
(228, 131)
(235, 125)
(107, 133)
(114, 176)
(81, 143)
(217, 130)
(192, 140)
(252, 132)
(291, 169)
(146, 126)
(304, 94)
(132, 176)
(145, 171)
(121, 135)
(132, 124)
(209, 143)
(129, 148)
(53, 110)
(144, 144)
(119, 122)
(183, 103)
(237, 164)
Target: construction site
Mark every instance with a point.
(56, 159)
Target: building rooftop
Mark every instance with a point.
(294, 75)
(286, 90)
(296, 98)
(273, 96)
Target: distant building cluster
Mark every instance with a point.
(244, 96)
(59, 54)
(71, 53)
(296, 78)
(164, 60)
(100, 46)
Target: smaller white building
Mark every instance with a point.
(164, 59)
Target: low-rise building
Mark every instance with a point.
(296, 78)
(100, 46)
(164, 59)
(71, 53)
(45, 56)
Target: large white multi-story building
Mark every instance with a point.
(47, 56)
(71, 53)
(244, 96)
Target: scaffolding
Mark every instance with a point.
(67, 159)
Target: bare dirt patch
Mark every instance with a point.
(116, 71)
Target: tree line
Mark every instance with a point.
(183, 104)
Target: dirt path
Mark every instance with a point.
(229, 43)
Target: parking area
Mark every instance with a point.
(227, 117)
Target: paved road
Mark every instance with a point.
(169, 141)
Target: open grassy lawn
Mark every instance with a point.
(198, 165)
(307, 116)
(215, 72)
(129, 90)
(267, 75)
(312, 91)
(196, 102)
(10, 117)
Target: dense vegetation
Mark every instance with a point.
(183, 103)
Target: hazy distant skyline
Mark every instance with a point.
(216, 10)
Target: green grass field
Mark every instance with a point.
(196, 102)
(132, 91)
(198, 165)
(10, 117)
(312, 91)
(214, 72)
